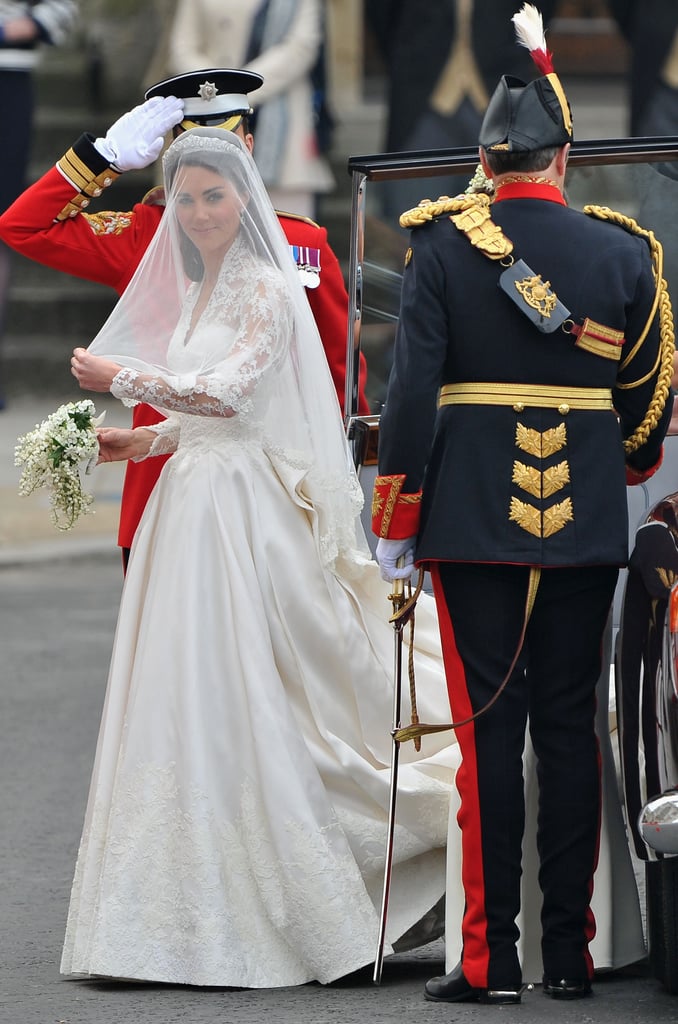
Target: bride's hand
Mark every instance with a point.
(93, 373)
(117, 444)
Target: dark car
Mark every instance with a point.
(646, 672)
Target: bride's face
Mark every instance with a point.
(208, 211)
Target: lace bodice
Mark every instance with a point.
(244, 365)
(217, 368)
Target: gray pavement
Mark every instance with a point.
(57, 618)
(26, 530)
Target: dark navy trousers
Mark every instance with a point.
(481, 609)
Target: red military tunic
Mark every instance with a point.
(47, 224)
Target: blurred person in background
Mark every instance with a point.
(282, 40)
(24, 28)
(651, 29)
(442, 65)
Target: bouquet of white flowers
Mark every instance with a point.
(51, 456)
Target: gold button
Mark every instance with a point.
(98, 191)
(519, 407)
(108, 181)
(85, 202)
(73, 213)
(563, 409)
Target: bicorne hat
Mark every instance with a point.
(526, 116)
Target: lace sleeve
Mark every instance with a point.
(257, 344)
(166, 439)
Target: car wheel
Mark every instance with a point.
(661, 881)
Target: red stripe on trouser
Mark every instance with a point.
(590, 928)
(590, 918)
(475, 956)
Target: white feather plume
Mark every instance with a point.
(529, 28)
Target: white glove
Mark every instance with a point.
(388, 553)
(136, 138)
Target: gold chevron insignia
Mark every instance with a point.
(557, 516)
(541, 485)
(555, 478)
(541, 444)
(526, 516)
(528, 478)
(553, 440)
(530, 519)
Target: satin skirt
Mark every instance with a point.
(237, 816)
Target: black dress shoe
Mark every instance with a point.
(567, 988)
(454, 988)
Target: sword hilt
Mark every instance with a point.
(397, 595)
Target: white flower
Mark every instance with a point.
(51, 456)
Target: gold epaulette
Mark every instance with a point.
(84, 179)
(297, 216)
(470, 214)
(662, 303)
(155, 196)
(428, 209)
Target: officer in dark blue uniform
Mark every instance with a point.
(530, 382)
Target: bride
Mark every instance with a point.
(236, 821)
(237, 815)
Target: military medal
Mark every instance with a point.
(308, 265)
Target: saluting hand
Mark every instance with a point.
(93, 373)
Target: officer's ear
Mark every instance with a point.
(562, 157)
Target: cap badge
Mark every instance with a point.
(207, 91)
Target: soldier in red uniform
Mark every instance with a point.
(49, 224)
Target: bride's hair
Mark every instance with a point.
(230, 172)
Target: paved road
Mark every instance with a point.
(56, 626)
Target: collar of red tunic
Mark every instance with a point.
(529, 190)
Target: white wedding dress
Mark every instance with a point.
(236, 823)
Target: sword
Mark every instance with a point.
(397, 597)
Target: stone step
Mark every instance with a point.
(63, 307)
(46, 320)
(38, 363)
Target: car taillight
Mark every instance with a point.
(672, 620)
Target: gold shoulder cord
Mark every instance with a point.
(429, 208)
(666, 332)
